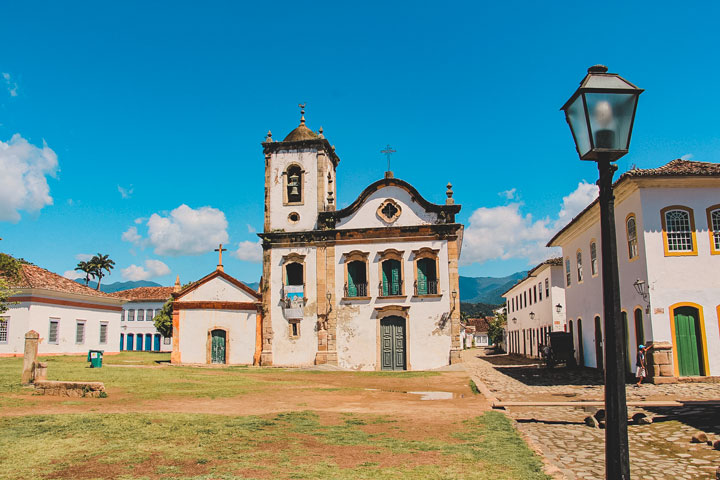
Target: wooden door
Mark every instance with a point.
(687, 336)
(217, 352)
(626, 343)
(598, 344)
(581, 347)
(392, 339)
(156, 344)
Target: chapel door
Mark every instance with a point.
(217, 345)
(687, 335)
(392, 338)
(598, 344)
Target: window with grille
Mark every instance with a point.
(122, 315)
(4, 322)
(103, 333)
(715, 225)
(53, 331)
(131, 315)
(427, 283)
(593, 259)
(579, 267)
(391, 278)
(141, 315)
(679, 233)
(356, 279)
(539, 288)
(547, 287)
(167, 340)
(631, 230)
(80, 333)
(149, 315)
(568, 279)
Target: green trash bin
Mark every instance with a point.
(95, 358)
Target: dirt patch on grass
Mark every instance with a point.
(154, 467)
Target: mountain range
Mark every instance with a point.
(472, 289)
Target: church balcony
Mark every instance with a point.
(356, 290)
(293, 301)
(390, 289)
(429, 287)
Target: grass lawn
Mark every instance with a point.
(309, 424)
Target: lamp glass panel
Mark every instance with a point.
(578, 123)
(611, 116)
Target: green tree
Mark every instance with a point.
(101, 262)
(496, 328)
(5, 293)
(88, 269)
(163, 320)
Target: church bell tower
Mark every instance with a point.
(299, 179)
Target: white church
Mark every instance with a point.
(373, 286)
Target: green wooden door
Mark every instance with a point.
(217, 352)
(687, 335)
(392, 339)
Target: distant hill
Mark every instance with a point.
(487, 289)
(117, 286)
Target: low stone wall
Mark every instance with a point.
(70, 389)
(660, 363)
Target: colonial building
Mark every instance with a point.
(70, 318)
(137, 329)
(372, 286)
(535, 307)
(668, 238)
(216, 320)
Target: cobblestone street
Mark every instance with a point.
(661, 450)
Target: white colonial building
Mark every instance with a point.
(137, 329)
(535, 307)
(370, 287)
(70, 318)
(668, 238)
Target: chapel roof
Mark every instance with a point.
(159, 294)
(216, 273)
(674, 168)
(301, 133)
(302, 137)
(32, 276)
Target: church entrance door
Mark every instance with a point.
(392, 339)
(217, 354)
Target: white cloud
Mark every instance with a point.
(12, 86)
(73, 274)
(23, 183)
(184, 231)
(83, 257)
(131, 235)
(140, 220)
(509, 194)
(506, 232)
(125, 193)
(687, 156)
(250, 228)
(153, 268)
(249, 251)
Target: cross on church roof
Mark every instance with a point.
(220, 250)
(388, 152)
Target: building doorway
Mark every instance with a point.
(392, 341)
(688, 340)
(217, 346)
(598, 344)
(581, 349)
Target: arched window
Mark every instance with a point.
(293, 185)
(579, 266)
(294, 274)
(631, 233)
(593, 258)
(568, 280)
(426, 271)
(391, 273)
(356, 279)
(678, 231)
(713, 219)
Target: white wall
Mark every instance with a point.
(279, 162)
(144, 327)
(218, 289)
(36, 316)
(240, 339)
(366, 216)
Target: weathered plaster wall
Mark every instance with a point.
(366, 216)
(307, 159)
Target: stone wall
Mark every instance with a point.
(660, 363)
(70, 389)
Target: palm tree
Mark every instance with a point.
(88, 268)
(101, 262)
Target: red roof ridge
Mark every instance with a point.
(32, 276)
(144, 293)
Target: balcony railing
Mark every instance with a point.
(391, 289)
(357, 290)
(430, 287)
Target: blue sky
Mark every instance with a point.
(149, 106)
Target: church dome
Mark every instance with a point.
(301, 133)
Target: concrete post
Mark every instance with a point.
(31, 350)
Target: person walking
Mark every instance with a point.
(641, 366)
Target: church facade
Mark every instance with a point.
(373, 286)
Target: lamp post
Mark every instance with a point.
(601, 113)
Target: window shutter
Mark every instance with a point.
(352, 275)
(386, 268)
(395, 277)
(422, 277)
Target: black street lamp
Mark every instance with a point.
(601, 114)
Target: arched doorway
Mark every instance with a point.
(217, 346)
(688, 341)
(626, 344)
(392, 343)
(130, 341)
(581, 347)
(598, 344)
